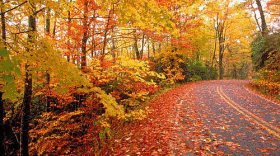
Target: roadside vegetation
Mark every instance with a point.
(75, 73)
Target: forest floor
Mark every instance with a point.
(204, 118)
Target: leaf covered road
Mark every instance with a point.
(231, 120)
(206, 118)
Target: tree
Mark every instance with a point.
(3, 23)
(264, 27)
(3, 56)
(228, 29)
(24, 136)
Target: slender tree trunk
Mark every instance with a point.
(54, 28)
(105, 35)
(154, 48)
(216, 34)
(25, 114)
(27, 88)
(48, 77)
(48, 22)
(85, 38)
(142, 48)
(93, 44)
(256, 19)
(54, 23)
(234, 71)
(221, 72)
(159, 47)
(136, 48)
(148, 48)
(68, 36)
(113, 50)
(2, 149)
(264, 27)
(197, 56)
(84, 53)
(221, 50)
(3, 23)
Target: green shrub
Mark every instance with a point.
(204, 72)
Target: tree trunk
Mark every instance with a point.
(221, 72)
(48, 77)
(27, 88)
(256, 19)
(68, 36)
(85, 38)
(215, 46)
(48, 22)
(154, 48)
(136, 48)
(264, 27)
(93, 44)
(25, 114)
(148, 48)
(105, 35)
(142, 48)
(221, 50)
(159, 47)
(3, 23)
(113, 50)
(2, 149)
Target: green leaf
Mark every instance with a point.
(8, 78)
(10, 92)
(4, 52)
(6, 66)
(62, 91)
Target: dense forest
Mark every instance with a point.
(74, 72)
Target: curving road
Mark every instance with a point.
(230, 120)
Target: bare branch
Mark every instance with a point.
(14, 8)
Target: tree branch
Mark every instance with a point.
(35, 13)
(14, 8)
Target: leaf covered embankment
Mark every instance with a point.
(155, 133)
(266, 57)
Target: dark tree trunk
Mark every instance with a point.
(113, 50)
(256, 19)
(154, 48)
(27, 88)
(264, 27)
(148, 48)
(159, 47)
(85, 38)
(48, 22)
(93, 44)
(48, 77)
(221, 50)
(215, 46)
(54, 28)
(142, 48)
(25, 114)
(2, 149)
(221, 72)
(3, 23)
(136, 48)
(105, 36)
(68, 34)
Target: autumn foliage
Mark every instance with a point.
(75, 73)
(267, 56)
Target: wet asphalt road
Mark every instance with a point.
(238, 121)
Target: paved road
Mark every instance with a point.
(229, 119)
